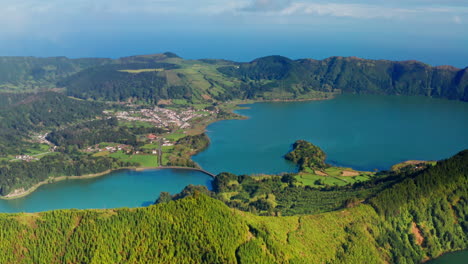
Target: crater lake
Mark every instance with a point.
(124, 188)
(365, 132)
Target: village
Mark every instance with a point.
(128, 149)
(162, 117)
(25, 158)
(157, 116)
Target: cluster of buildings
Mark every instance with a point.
(111, 149)
(153, 138)
(162, 117)
(25, 157)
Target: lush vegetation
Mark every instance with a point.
(32, 74)
(159, 77)
(314, 172)
(24, 114)
(60, 136)
(434, 203)
(401, 216)
(353, 75)
(284, 195)
(97, 131)
(307, 156)
(117, 82)
(23, 175)
(420, 217)
(185, 147)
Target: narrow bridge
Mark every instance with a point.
(188, 168)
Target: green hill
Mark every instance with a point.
(355, 75)
(307, 155)
(31, 73)
(22, 114)
(150, 78)
(419, 218)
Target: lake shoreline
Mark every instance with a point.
(24, 193)
(444, 255)
(19, 193)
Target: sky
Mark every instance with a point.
(432, 31)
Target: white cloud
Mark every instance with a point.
(46, 16)
(367, 11)
(267, 5)
(345, 10)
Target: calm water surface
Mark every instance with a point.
(124, 188)
(362, 132)
(460, 257)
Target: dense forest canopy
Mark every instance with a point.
(307, 155)
(55, 107)
(31, 73)
(415, 219)
(96, 131)
(355, 75)
(26, 113)
(24, 175)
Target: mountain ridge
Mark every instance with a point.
(265, 78)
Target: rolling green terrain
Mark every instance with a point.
(405, 223)
(314, 172)
(64, 117)
(269, 78)
(151, 78)
(19, 74)
(35, 113)
(37, 119)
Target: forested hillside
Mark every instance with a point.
(120, 82)
(26, 113)
(31, 73)
(407, 215)
(416, 219)
(151, 78)
(355, 75)
(96, 131)
(271, 78)
(307, 155)
(23, 175)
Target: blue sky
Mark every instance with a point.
(434, 31)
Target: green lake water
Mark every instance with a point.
(362, 132)
(124, 188)
(460, 257)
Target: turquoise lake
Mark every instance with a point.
(359, 131)
(124, 188)
(362, 132)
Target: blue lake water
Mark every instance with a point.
(362, 132)
(124, 188)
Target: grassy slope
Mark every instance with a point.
(199, 229)
(145, 160)
(268, 78)
(313, 171)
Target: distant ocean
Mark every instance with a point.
(240, 46)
